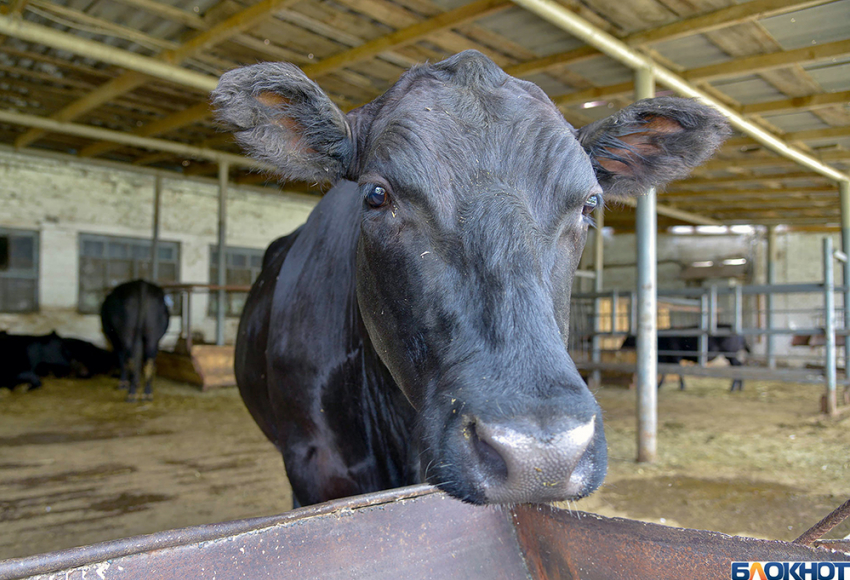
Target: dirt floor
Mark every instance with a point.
(78, 465)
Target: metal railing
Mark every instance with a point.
(805, 313)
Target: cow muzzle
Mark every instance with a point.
(524, 461)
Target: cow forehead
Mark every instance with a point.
(437, 134)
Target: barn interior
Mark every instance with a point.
(114, 168)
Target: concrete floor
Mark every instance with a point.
(78, 465)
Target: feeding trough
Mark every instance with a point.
(418, 532)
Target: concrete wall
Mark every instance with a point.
(63, 198)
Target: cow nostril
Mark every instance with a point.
(492, 463)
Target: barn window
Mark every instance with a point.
(243, 267)
(106, 261)
(18, 270)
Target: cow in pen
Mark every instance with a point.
(415, 327)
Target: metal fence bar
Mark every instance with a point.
(703, 327)
(829, 327)
(738, 325)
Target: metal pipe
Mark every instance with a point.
(618, 50)
(157, 198)
(152, 143)
(678, 214)
(712, 309)
(31, 32)
(738, 326)
(829, 327)
(223, 169)
(844, 195)
(598, 267)
(703, 330)
(769, 296)
(647, 285)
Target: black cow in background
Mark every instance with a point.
(674, 349)
(135, 318)
(28, 358)
(415, 328)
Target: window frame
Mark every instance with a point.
(33, 273)
(136, 264)
(231, 251)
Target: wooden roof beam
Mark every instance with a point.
(722, 18)
(137, 64)
(97, 133)
(807, 135)
(168, 12)
(763, 62)
(164, 125)
(559, 16)
(797, 103)
(450, 19)
(404, 36)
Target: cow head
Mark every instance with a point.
(476, 200)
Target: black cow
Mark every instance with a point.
(135, 317)
(673, 349)
(88, 360)
(30, 357)
(415, 327)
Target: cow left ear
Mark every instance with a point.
(282, 117)
(651, 143)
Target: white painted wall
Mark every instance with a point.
(63, 198)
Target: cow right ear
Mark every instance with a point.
(283, 118)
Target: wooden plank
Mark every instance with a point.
(759, 63)
(236, 24)
(131, 80)
(109, 27)
(721, 18)
(168, 12)
(407, 35)
(816, 134)
(747, 178)
(797, 103)
(177, 367)
(106, 92)
(215, 365)
(635, 14)
(180, 119)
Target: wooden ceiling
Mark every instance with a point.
(784, 64)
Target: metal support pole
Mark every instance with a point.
(844, 194)
(703, 330)
(829, 327)
(223, 169)
(769, 304)
(647, 290)
(739, 310)
(598, 266)
(157, 198)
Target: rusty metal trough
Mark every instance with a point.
(414, 533)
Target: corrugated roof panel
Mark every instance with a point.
(751, 89)
(530, 31)
(817, 25)
(801, 121)
(602, 71)
(831, 77)
(692, 52)
(551, 86)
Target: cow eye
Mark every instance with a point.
(377, 197)
(590, 204)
